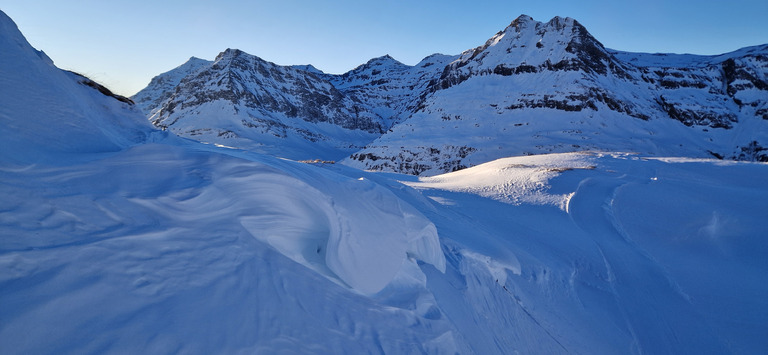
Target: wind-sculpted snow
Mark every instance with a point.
(121, 239)
(355, 232)
(151, 232)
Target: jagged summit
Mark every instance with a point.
(521, 21)
(383, 61)
(384, 58)
(556, 22)
(563, 22)
(229, 52)
(308, 68)
(236, 55)
(232, 54)
(529, 42)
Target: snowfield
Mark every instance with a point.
(119, 238)
(513, 180)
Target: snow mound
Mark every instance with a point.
(513, 180)
(355, 231)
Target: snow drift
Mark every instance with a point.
(117, 238)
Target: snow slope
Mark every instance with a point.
(162, 248)
(35, 93)
(124, 239)
(649, 256)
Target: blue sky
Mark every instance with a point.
(124, 44)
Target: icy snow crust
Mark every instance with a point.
(117, 238)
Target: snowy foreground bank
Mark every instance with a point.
(178, 247)
(117, 238)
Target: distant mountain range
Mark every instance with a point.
(532, 88)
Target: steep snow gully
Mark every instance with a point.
(125, 239)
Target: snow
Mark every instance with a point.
(162, 86)
(540, 88)
(118, 238)
(362, 235)
(663, 60)
(533, 88)
(28, 77)
(513, 180)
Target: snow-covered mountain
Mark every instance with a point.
(389, 87)
(551, 87)
(163, 86)
(243, 101)
(533, 88)
(116, 237)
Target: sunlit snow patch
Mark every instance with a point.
(515, 180)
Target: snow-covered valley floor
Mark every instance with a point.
(181, 247)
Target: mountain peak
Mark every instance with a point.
(308, 68)
(241, 59)
(385, 59)
(557, 23)
(229, 53)
(562, 21)
(522, 19)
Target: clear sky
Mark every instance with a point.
(123, 44)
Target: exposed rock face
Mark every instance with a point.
(245, 100)
(532, 88)
(163, 86)
(389, 87)
(248, 81)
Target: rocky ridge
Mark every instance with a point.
(532, 88)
